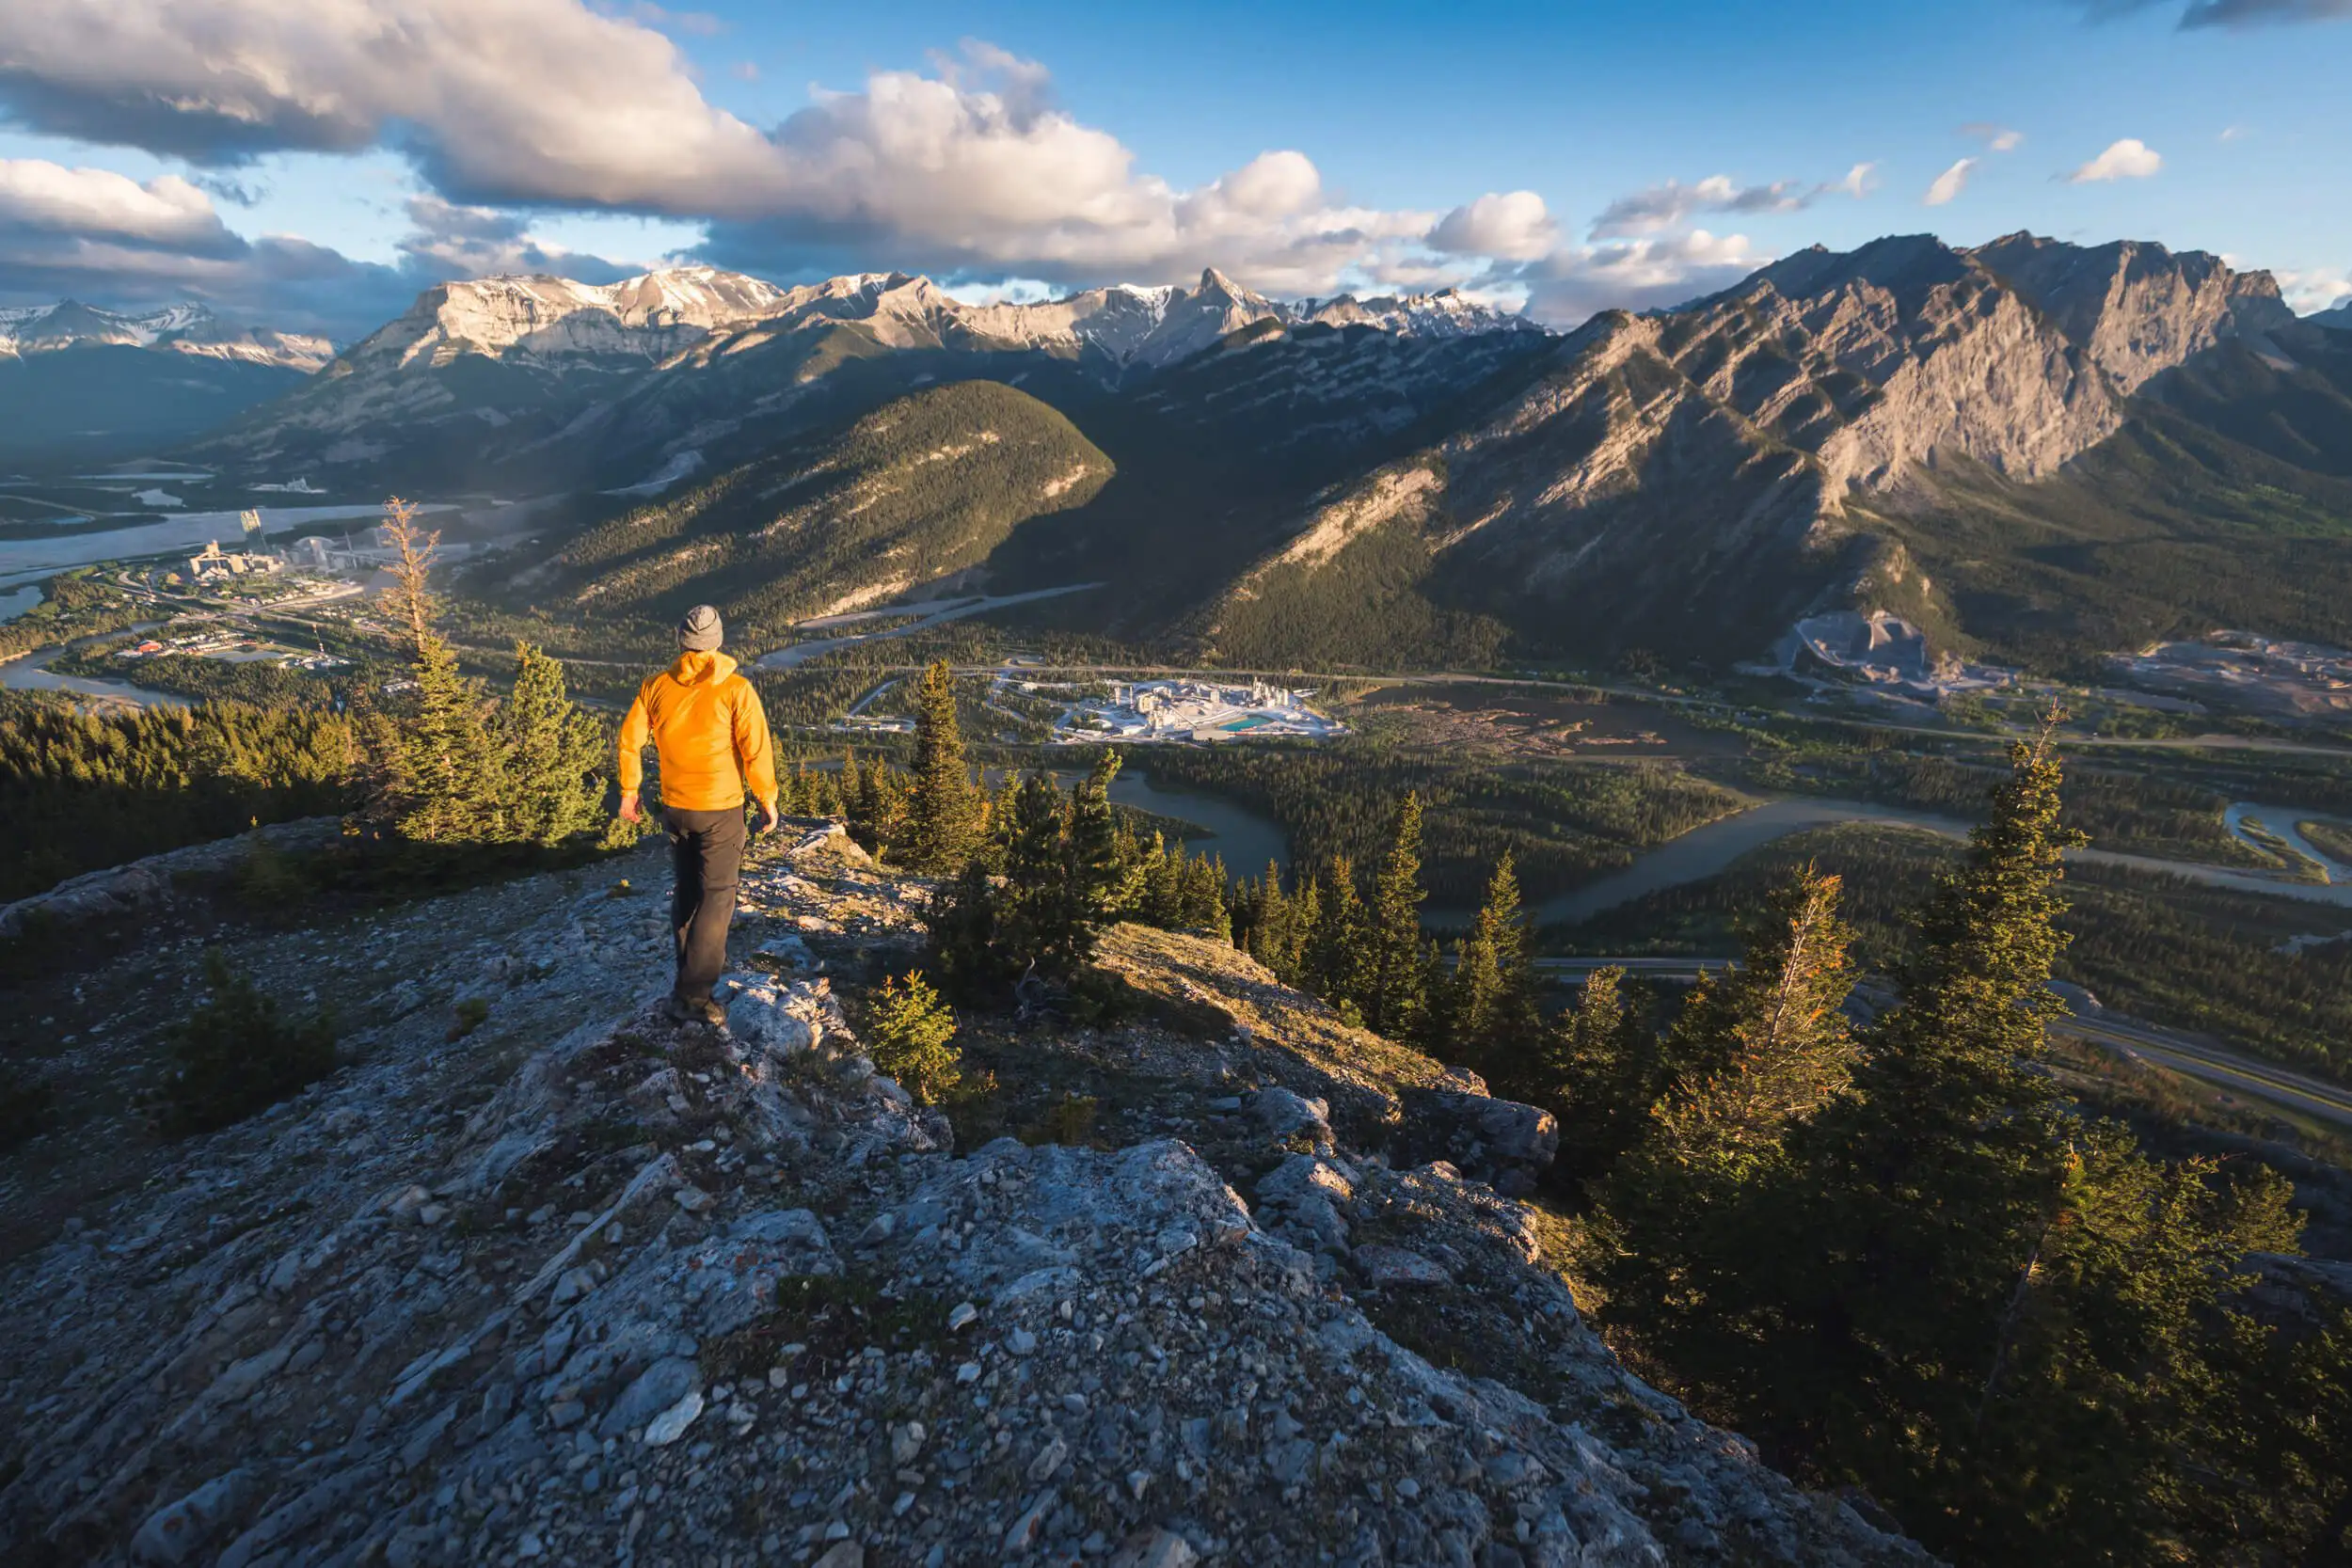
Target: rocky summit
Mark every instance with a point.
(584, 1286)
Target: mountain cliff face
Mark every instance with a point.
(1692, 480)
(584, 1287)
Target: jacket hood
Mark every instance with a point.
(698, 669)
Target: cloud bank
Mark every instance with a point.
(970, 170)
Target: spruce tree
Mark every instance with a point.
(442, 779)
(1162, 877)
(1490, 1007)
(1267, 933)
(1752, 1052)
(552, 756)
(1101, 874)
(910, 1034)
(1765, 1043)
(1928, 1183)
(943, 817)
(1396, 1000)
(1203, 882)
(1597, 1070)
(1036, 918)
(962, 920)
(1336, 964)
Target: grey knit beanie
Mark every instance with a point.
(700, 632)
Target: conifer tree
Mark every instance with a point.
(944, 818)
(911, 1035)
(1751, 1051)
(1597, 1070)
(1489, 1006)
(962, 920)
(1203, 881)
(1928, 1183)
(1036, 915)
(1262, 921)
(1396, 1000)
(552, 756)
(1160, 898)
(1765, 1043)
(1304, 912)
(437, 771)
(1337, 965)
(1100, 871)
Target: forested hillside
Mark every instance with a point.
(921, 488)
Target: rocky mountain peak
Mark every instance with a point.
(2135, 307)
(189, 328)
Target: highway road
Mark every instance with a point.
(2130, 1038)
(2125, 1036)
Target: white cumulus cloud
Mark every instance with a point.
(2310, 289)
(1514, 226)
(39, 195)
(1574, 282)
(1949, 183)
(971, 166)
(2127, 159)
(497, 100)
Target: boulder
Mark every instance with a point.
(1500, 1142)
(1286, 1113)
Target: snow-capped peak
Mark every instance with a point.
(187, 327)
(657, 315)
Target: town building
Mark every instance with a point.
(213, 564)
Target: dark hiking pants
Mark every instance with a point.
(707, 852)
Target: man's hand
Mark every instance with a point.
(768, 817)
(630, 812)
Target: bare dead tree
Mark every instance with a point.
(413, 551)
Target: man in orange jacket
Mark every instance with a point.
(711, 736)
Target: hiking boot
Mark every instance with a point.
(705, 1011)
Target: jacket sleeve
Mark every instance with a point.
(754, 752)
(635, 731)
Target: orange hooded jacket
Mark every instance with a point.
(710, 733)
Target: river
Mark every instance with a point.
(2282, 820)
(1246, 840)
(32, 674)
(23, 560)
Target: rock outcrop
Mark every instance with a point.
(145, 884)
(588, 1287)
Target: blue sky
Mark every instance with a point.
(282, 157)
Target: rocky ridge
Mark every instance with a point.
(1716, 469)
(588, 1288)
(704, 312)
(188, 329)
